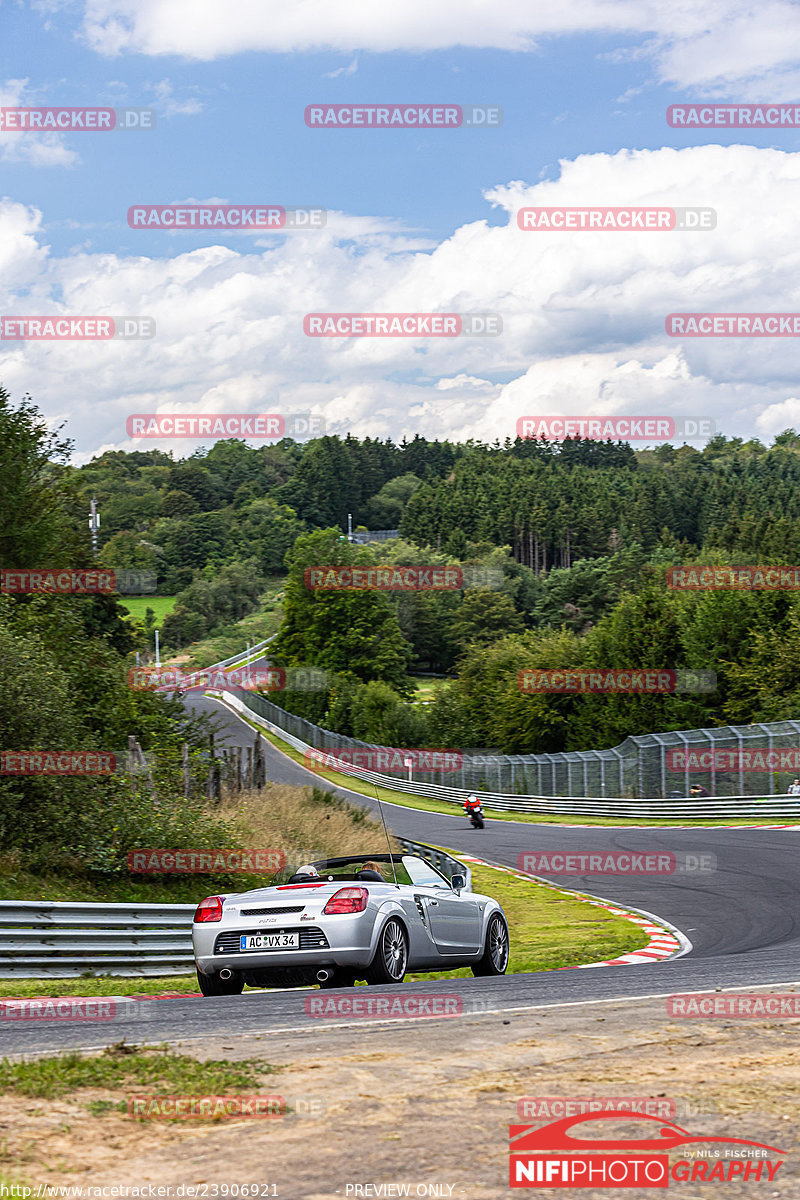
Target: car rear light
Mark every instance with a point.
(209, 909)
(347, 900)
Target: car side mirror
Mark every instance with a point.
(458, 882)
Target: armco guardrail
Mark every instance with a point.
(711, 808)
(243, 657)
(255, 650)
(53, 939)
(43, 939)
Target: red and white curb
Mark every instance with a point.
(665, 941)
(44, 1001)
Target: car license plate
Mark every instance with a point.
(270, 941)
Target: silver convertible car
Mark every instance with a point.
(345, 924)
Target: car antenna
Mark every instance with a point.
(386, 831)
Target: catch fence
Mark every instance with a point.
(728, 762)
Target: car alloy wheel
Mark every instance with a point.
(395, 955)
(391, 956)
(498, 944)
(494, 959)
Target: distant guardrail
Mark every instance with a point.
(785, 809)
(730, 762)
(55, 939)
(363, 537)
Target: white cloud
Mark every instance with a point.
(458, 382)
(693, 43)
(170, 106)
(343, 72)
(583, 313)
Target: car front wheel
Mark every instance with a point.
(212, 985)
(391, 956)
(494, 959)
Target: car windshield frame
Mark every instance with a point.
(346, 869)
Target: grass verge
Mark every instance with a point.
(90, 985)
(49, 1109)
(301, 822)
(129, 1066)
(548, 929)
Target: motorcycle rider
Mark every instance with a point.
(471, 803)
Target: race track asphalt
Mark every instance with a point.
(742, 920)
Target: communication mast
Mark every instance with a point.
(94, 523)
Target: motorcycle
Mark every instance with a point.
(476, 817)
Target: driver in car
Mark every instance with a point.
(370, 872)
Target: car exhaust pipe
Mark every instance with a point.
(323, 976)
(226, 973)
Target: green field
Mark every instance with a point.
(425, 688)
(138, 605)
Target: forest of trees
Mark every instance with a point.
(63, 684)
(612, 611)
(564, 549)
(552, 505)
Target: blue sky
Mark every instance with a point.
(584, 94)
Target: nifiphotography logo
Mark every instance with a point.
(592, 1162)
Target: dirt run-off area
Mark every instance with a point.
(422, 1107)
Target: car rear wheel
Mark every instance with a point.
(494, 959)
(212, 985)
(391, 956)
